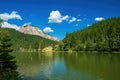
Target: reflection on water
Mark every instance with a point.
(68, 66)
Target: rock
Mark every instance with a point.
(28, 29)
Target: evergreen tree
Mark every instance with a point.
(42, 44)
(7, 65)
(101, 36)
(114, 38)
(25, 42)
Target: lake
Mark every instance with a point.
(68, 66)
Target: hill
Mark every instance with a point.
(101, 36)
(25, 42)
(29, 29)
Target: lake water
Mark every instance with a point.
(68, 66)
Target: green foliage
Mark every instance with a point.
(114, 38)
(7, 65)
(101, 36)
(25, 42)
(42, 44)
(59, 47)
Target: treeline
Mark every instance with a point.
(26, 42)
(101, 36)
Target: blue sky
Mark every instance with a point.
(57, 17)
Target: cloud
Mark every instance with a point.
(47, 30)
(56, 17)
(65, 17)
(78, 20)
(99, 18)
(13, 15)
(28, 23)
(8, 25)
(7, 16)
(72, 19)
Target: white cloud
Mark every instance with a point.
(99, 18)
(8, 25)
(72, 19)
(65, 17)
(7, 16)
(13, 15)
(47, 30)
(78, 20)
(56, 17)
(28, 23)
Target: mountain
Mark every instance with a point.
(28, 42)
(101, 36)
(28, 29)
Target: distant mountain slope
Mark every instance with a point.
(28, 29)
(22, 42)
(101, 36)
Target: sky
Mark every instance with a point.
(56, 17)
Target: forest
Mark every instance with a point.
(101, 36)
(27, 42)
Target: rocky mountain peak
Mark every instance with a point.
(28, 29)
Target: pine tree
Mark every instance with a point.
(42, 44)
(114, 39)
(101, 36)
(7, 65)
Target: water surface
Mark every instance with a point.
(68, 66)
